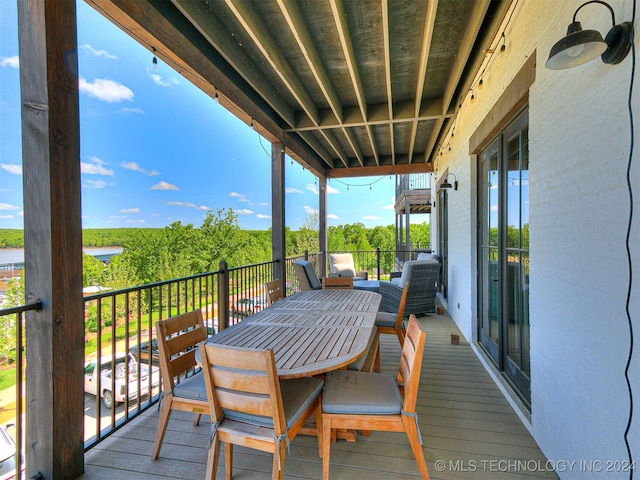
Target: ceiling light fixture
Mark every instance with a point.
(581, 46)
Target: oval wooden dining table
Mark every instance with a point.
(310, 332)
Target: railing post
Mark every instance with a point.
(223, 296)
(378, 261)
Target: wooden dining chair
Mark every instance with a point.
(329, 283)
(393, 323)
(274, 291)
(182, 386)
(373, 401)
(252, 408)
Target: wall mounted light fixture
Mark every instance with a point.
(581, 46)
(447, 184)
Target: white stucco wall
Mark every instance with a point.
(579, 206)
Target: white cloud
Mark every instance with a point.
(99, 53)
(106, 90)
(162, 185)
(312, 187)
(260, 215)
(96, 184)
(13, 61)
(244, 211)
(162, 82)
(132, 110)
(117, 216)
(136, 221)
(14, 168)
(390, 206)
(292, 190)
(333, 216)
(6, 217)
(8, 206)
(264, 204)
(239, 196)
(130, 210)
(309, 210)
(95, 166)
(189, 205)
(137, 168)
(371, 217)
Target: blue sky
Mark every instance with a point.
(154, 149)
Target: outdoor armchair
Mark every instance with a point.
(306, 275)
(422, 276)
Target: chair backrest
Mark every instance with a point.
(242, 381)
(422, 271)
(411, 363)
(306, 275)
(178, 338)
(342, 264)
(329, 283)
(274, 292)
(402, 305)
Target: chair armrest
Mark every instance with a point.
(363, 274)
(395, 274)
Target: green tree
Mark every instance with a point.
(15, 297)
(93, 270)
(306, 239)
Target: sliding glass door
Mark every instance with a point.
(503, 251)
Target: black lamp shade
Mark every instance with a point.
(578, 47)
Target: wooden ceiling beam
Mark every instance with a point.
(386, 41)
(264, 41)
(462, 57)
(305, 43)
(339, 16)
(431, 109)
(212, 28)
(379, 170)
(149, 27)
(429, 26)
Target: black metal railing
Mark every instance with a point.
(123, 321)
(14, 318)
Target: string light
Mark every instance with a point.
(370, 185)
(154, 60)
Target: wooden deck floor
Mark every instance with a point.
(469, 432)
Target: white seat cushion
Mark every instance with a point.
(342, 263)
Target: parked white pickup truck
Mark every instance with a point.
(114, 388)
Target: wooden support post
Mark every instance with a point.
(52, 238)
(278, 245)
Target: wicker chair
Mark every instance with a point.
(422, 276)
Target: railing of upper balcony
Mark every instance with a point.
(412, 182)
(123, 321)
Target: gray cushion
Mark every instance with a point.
(361, 393)
(297, 395)
(311, 276)
(386, 319)
(358, 364)
(192, 388)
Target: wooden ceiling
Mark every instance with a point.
(349, 87)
